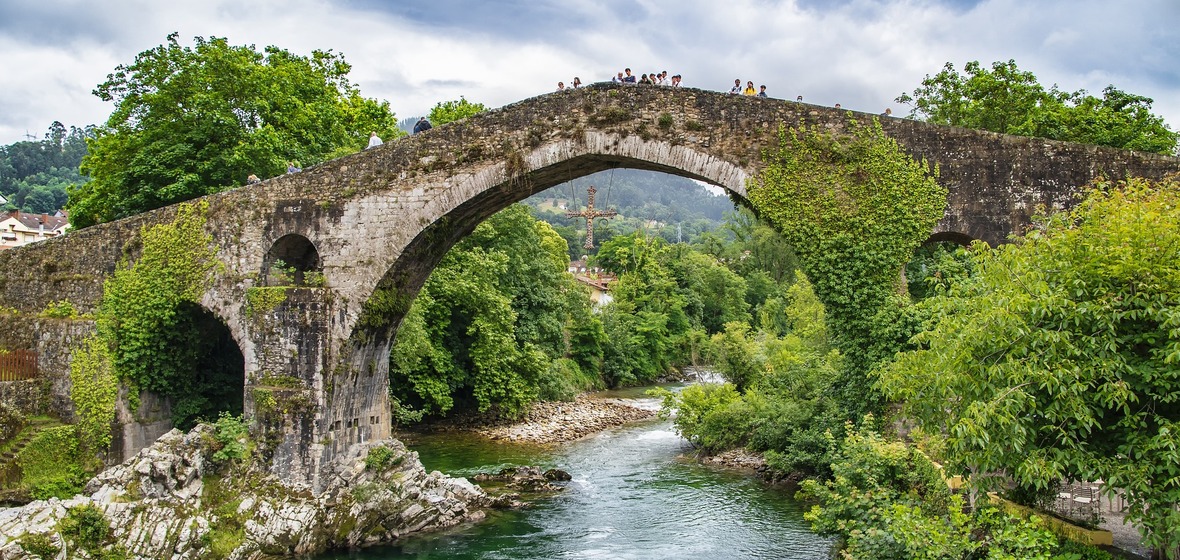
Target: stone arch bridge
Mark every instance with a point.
(376, 223)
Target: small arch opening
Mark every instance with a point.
(292, 261)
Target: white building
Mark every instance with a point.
(21, 228)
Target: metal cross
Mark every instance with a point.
(590, 214)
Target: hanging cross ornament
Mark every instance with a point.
(590, 214)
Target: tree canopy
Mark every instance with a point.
(1010, 100)
(451, 111)
(1060, 357)
(35, 174)
(190, 121)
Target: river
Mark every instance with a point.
(632, 497)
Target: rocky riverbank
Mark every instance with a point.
(175, 500)
(551, 422)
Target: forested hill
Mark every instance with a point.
(34, 174)
(669, 206)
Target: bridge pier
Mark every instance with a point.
(284, 380)
(311, 395)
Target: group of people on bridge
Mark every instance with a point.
(652, 79)
(662, 79)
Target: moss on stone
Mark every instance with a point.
(263, 299)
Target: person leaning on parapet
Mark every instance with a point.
(737, 87)
(292, 168)
(629, 78)
(676, 80)
(422, 125)
(618, 79)
(644, 80)
(762, 91)
(253, 179)
(888, 112)
(749, 89)
(374, 140)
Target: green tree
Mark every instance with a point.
(190, 121)
(1059, 358)
(1009, 100)
(450, 111)
(738, 357)
(497, 314)
(35, 175)
(715, 294)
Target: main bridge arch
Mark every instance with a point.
(377, 223)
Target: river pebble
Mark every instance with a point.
(552, 422)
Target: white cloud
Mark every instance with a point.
(860, 53)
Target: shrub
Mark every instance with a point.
(61, 309)
(382, 458)
(39, 545)
(232, 436)
(88, 529)
(701, 417)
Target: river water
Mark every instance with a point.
(632, 497)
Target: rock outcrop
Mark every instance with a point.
(174, 500)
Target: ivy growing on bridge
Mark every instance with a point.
(153, 335)
(854, 207)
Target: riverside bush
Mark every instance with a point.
(886, 500)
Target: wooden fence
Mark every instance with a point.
(18, 365)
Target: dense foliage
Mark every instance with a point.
(887, 500)
(500, 323)
(777, 399)
(1065, 346)
(160, 339)
(1009, 100)
(35, 175)
(854, 207)
(190, 121)
(52, 464)
(450, 111)
(490, 320)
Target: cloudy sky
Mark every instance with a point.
(415, 53)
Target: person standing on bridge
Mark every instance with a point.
(292, 168)
(762, 91)
(618, 79)
(737, 87)
(560, 86)
(422, 125)
(374, 140)
(577, 83)
(749, 89)
(629, 78)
